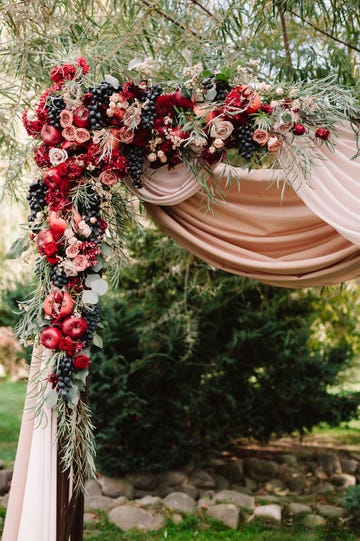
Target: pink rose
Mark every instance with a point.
(57, 156)
(66, 118)
(273, 144)
(81, 262)
(261, 137)
(125, 135)
(221, 129)
(109, 178)
(322, 133)
(82, 135)
(69, 268)
(72, 250)
(69, 133)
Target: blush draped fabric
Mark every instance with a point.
(305, 235)
(301, 236)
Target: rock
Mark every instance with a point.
(243, 501)
(323, 488)
(250, 484)
(289, 460)
(260, 470)
(93, 488)
(266, 498)
(149, 500)
(274, 486)
(299, 508)
(5, 479)
(355, 456)
(128, 516)
(227, 513)
(270, 512)
(177, 519)
(221, 483)
(204, 502)
(343, 480)
(114, 487)
(329, 462)
(91, 518)
(202, 479)
(120, 500)
(98, 502)
(297, 485)
(313, 521)
(349, 465)
(331, 511)
(172, 478)
(179, 501)
(233, 470)
(142, 481)
(188, 489)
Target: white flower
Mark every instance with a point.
(197, 143)
(162, 156)
(279, 91)
(84, 229)
(57, 155)
(218, 143)
(152, 157)
(69, 268)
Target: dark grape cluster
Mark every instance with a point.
(92, 317)
(222, 88)
(91, 209)
(135, 158)
(149, 113)
(54, 106)
(100, 101)
(64, 372)
(57, 276)
(247, 145)
(36, 198)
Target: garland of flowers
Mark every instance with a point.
(89, 137)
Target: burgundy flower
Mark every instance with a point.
(41, 156)
(266, 108)
(299, 129)
(322, 133)
(81, 362)
(85, 68)
(62, 73)
(66, 344)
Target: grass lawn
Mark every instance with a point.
(11, 405)
(193, 529)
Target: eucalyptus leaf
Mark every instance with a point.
(51, 398)
(100, 287)
(19, 246)
(113, 81)
(81, 375)
(98, 341)
(73, 396)
(91, 278)
(99, 265)
(187, 54)
(89, 297)
(211, 94)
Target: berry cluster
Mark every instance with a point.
(92, 318)
(135, 158)
(99, 103)
(247, 145)
(55, 105)
(58, 277)
(149, 111)
(36, 198)
(63, 372)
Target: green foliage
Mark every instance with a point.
(351, 502)
(194, 357)
(11, 405)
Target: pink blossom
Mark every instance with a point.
(82, 135)
(69, 133)
(108, 178)
(66, 118)
(81, 262)
(72, 250)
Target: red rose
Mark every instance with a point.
(299, 129)
(50, 248)
(62, 73)
(81, 362)
(322, 133)
(62, 169)
(66, 344)
(266, 108)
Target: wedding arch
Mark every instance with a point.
(258, 180)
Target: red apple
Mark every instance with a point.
(50, 337)
(58, 304)
(74, 326)
(51, 178)
(50, 135)
(81, 117)
(44, 237)
(57, 224)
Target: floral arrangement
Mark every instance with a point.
(91, 139)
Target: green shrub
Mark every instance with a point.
(195, 357)
(351, 502)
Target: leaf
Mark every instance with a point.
(89, 297)
(113, 81)
(81, 375)
(18, 247)
(97, 341)
(186, 92)
(73, 396)
(99, 265)
(51, 398)
(100, 287)
(134, 63)
(187, 54)
(211, 94)
(91, 278)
